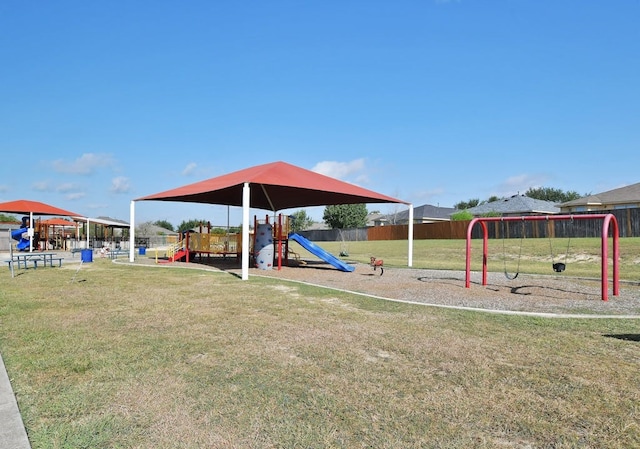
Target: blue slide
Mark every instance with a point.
(23, 244)
(321, 253)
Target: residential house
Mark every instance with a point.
(377, 219)
(422, 214)
(516, 206)
(621, 198)
(5, 234)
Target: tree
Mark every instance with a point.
(8, 219)
(343, 216)
(299, 221)
(538, 193)
(164, 224)
(462, 205)
(551, 194)
(191, 224)
(463, 215)
(225, 231)
(144, 229)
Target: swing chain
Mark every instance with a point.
(504, 252)
(559, 267)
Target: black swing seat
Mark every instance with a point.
(559, 267)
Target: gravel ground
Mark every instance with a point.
(533, 294)
(526, 293)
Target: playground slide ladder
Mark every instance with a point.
(176, 251)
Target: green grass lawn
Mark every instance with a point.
(534, 256)
(147, 357)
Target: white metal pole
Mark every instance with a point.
(246, 198)
(132, 232)
(31, 232)
(88, 227)
(410, 251)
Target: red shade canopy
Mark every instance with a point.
(34, 207)
(276, 186)
(59, 222)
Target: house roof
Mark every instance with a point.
(621, 195)
(105, 221)
(516, 204)
(425, 212)
(377, 216)
(150, 229)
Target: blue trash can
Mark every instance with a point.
(142, 250)
(86, 255)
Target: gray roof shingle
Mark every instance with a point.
(621, 195)
(425, 212)
(517, 204)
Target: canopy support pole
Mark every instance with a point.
(132, 231)
(88, 231)
(31, 232)
(266, 194)
(246, 196)
(410, 250)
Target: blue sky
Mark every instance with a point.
(430, 101)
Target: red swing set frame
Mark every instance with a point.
(608, 219)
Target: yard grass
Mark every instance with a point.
(144, 357)
(534, 256)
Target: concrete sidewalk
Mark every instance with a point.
(12, 432)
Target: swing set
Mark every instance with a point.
(608, 220)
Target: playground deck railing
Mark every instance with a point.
(214, 243)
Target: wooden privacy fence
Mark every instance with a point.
(628, 224)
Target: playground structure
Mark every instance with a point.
(269, 245)
(23, 235)
(608, 220)
(47, 234)
(377, 263)
(192, 244)
(203, 243)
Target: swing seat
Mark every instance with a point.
(559, 267)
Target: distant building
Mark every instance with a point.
(422, 214)
(377, 219)
(317, 226)
(621, 198)
(516, 205)
(5, 236)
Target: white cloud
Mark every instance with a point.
(426, 195)
(341, 170)
(75, 195)
(66, 187)
(120, 184)
(41, 186)
(520, 184)
(97, 206)
(189, 169)
(84, 165)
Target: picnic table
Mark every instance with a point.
(75, 250)
(118, 252)
(27, 258)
